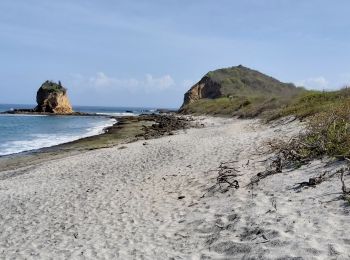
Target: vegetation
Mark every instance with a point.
(241, 106)
(327, 132)
(310, 103)
(242, 81)
(248, 93)
(220, 106)
(242, 92)
(53, 87)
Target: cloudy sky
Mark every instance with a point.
(148, 53)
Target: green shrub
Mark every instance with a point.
(310, 103)
(327, 134)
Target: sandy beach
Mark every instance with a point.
(153, 199)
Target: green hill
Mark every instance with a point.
(237, 91)
(247, 82)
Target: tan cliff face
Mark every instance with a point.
(53, 98)
(205, 88)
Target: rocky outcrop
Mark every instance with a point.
(205, 88)
(238, 81)
(52, 98)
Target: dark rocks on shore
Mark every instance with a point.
(164, 124)
(166, 110)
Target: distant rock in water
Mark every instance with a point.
(52, 98)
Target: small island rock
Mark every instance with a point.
(52, 98)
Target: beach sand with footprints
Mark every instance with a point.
(159, 199)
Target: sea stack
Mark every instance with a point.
(52, 98)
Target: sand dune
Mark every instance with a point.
(150, 200)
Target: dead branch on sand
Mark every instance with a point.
(226, 177)
(275, 167)
(314, 181)
(226, 174)
(345, 190)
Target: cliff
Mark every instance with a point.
(205, 88)
(235, 87)
(52, 98)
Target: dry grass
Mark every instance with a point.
(327, 134)
(241, 106)
(310, 103)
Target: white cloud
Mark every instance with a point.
(314, 82)
(101, 81)
(161, 83)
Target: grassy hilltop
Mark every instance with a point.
(239, 91)
(53, 87)
(242, 81)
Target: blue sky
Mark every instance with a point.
(148, 53)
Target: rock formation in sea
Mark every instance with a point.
(52, 98)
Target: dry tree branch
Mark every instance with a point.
(226, 175)
(276, 165)
(344, 188)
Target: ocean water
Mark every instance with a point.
(19, 133)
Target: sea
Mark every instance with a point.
(19, 133)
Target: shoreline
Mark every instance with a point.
(126, 129)
(160, 199)
(105, 121)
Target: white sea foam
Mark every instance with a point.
(117, 114)
(47, 140)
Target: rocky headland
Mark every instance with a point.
(236, 81)
(236, 90)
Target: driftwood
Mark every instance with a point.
(226, 174)
(289, 151)
(313, 181)
(276, 167)
(345, 190)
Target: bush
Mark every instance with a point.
(327, 134)
(310, 103)
(329, 131)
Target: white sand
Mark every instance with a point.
(123, 203)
